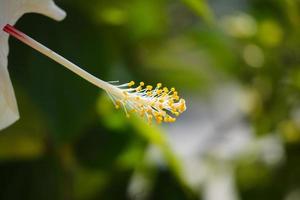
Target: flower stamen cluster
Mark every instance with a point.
(158, 103)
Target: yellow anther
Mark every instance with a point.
(158, 92)
(142, 83)
(166, 89)
(158, 85)
(173, 89)
(139, 88)
(149, 87)
(149, 93)
(166, 119)
(117, 106)
(160, 106)
(159, 119)
(171, 119)
(142, 113)
(131, 83)
(132, 111)
(182, 107)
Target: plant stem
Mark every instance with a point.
(56, 57)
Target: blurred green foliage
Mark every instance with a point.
(70, 143)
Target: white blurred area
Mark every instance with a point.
(209, 139)
(213, 135)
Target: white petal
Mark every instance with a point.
(8, 105)
(10, 12)
(45, 7)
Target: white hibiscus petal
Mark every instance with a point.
(45, 7)
(8, 105)
(10, 12)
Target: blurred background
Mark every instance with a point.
(237, 64)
